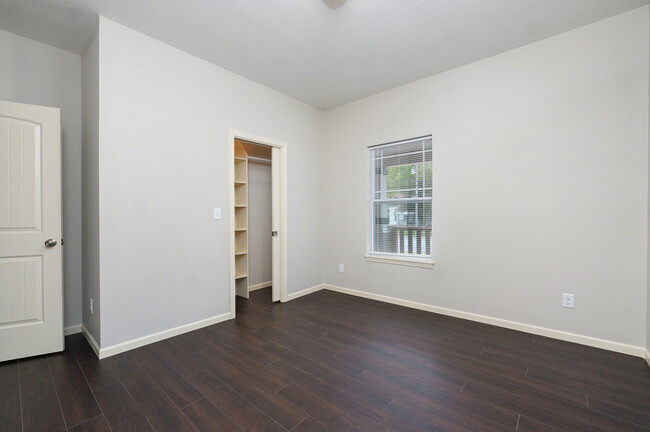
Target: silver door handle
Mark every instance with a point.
(50, 242)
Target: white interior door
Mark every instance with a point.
(31, 298)
(275, 222)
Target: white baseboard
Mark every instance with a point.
(91, 340)
(112, 350)
(541, 331)
(72, 330)
(260, 286)
(304, 292)
(646, 356)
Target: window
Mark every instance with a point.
(401, 181)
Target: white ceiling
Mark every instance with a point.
(306, 50)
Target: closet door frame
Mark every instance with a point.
(279, 202)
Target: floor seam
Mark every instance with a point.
(56, 392)
(20, 398)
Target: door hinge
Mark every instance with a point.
(274, 233)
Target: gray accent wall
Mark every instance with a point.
(540, 181)
(39, 74)
(164, 121)
(540, 159)
(259, 223)
(90, 189)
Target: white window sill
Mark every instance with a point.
(398, 260)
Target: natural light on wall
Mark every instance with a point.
(401, 182)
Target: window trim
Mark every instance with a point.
(392, 258)
(378, 257)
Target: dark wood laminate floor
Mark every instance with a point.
(330, 362)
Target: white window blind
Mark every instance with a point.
(401, 181)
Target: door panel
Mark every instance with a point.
(275, 222)
(31, 300)
(21, 281)
(20, 194)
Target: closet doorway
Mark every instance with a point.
(258, 216)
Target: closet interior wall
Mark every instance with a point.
(253, 248)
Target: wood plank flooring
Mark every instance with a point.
(330, 362)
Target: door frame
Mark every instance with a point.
(282, 204)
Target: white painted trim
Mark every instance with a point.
(231, 210)
(255, 139)
(541, 331)
(405, 261)
(306, 291)
(260, 286)
(284, 256)
(72, 330)
(284, 226)
(91, 340)
(276, 220)
(155, 337)
(646, 356)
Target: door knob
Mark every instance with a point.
(50, 242)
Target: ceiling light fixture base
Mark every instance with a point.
(334, 4)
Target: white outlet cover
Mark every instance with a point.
(217, 213)
(568, 300)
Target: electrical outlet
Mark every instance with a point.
(341, 268)
(91, 307)
(568, 300)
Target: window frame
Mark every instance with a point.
(425, 261)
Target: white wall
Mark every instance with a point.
(540, 183)
(259, 223)
(35, 73)
(647, 314)
(163, 165)
(90, 189)
(540, 188)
